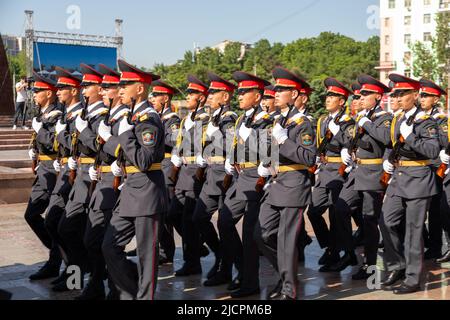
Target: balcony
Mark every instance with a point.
(387, 65)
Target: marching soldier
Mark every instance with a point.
(418, 138)
(83, 150)
(242, 200)
(42, 153)
(161, 99)
(337, 126)
(103, 197)
(289, 192)
(143, 196)
(68, 94)
(212, 196)
(188, 186)
(371, 138)
(430, 94)
(268, 101)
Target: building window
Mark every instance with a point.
(426, 2)
(386, 22)
(407, 20)
(391, 4)
(408, 73)
(407, 57)
(386, 40)
(386, 56)
(407, 39)
(407, 3)
(427, 18)
(427, 36)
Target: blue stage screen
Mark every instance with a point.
(48, 55)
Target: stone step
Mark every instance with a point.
(15, 136)
(18, 131)
(14, 147)
(15, 184)
(16, 163)
(8, 142)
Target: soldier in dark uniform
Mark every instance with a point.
(72, 224)
(289, 191)
(430, 94)
(69, 96)
(103, 197)
(366, 190)
(143, 196)
(329, 182)
(404, 255)
(268, 101)
(242, 200)
(44, 154)
(161, 99)
(212, 156)
(188, 187)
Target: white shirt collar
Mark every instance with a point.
(92, 106)
(333, 115)
(249, 112)
(71, 107)
(139, 105)
(410, 112)
(216, 112)
(114, 109)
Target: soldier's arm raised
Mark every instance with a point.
(303, 150)
(426, 141)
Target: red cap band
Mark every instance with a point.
(372, 88)
(288, 83)
(135, 77)
(92, 78)
(269, 93)
(44, 86)
(68, 82)
(432, 91)
(407, 86)
(215, 85)
(338, 90)
(197, 87)
(357, 92)
(110, 79)
(160, 89)
(251, 84)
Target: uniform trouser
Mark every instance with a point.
(55, 212)
(445, 212)
(434, 234)
(323, 199)
(19, 113)
(133, 282)
(181, 212)
(206, 206)
(243, 254)
(37, 205)
(276, 234)
(71, 229)
(371, 201)
(399, 254)
(166, 240)
(94, 234)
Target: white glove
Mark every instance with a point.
(104, 131)
(80, 124)
(36, 125)
(362, 121)
(346, 157)
(93, 174)
(263, 171)
(334, 128)
(211, 130)
(445, 158)
(57, 166)
(72, 163)
(388, 167)
(280, 134)
(201, 162)
(32, 154)
(229, 168)
(318, 160)
(60, 127)
(406, 130)
(116, 170)
(124, 126)
(176, 160)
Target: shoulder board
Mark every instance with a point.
(439, 116)
(266, 117)
(143, 117)
(202, 116)
(228, 113)
(379, 114)
(169, 115)
(53, 113)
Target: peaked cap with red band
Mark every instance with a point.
(66, 79)
(130, 74)
(356, 88)
(335, 86)
(43, 83)
(197, 85)
(371, 84)
(90, 75)
(286, 79)
(403, 83)
(111, 78)
(162, 87)
(219, 84)
(269, 92)
(248, 81)
(429, 87)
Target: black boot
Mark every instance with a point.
(188, 270)
(215, 268)
(94, 290)
(275, 293)
(348, 259)
(329, 257)
(362, 273)
(444, 258)
(358, 238)
(48, 270)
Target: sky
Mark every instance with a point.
(162, 31)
